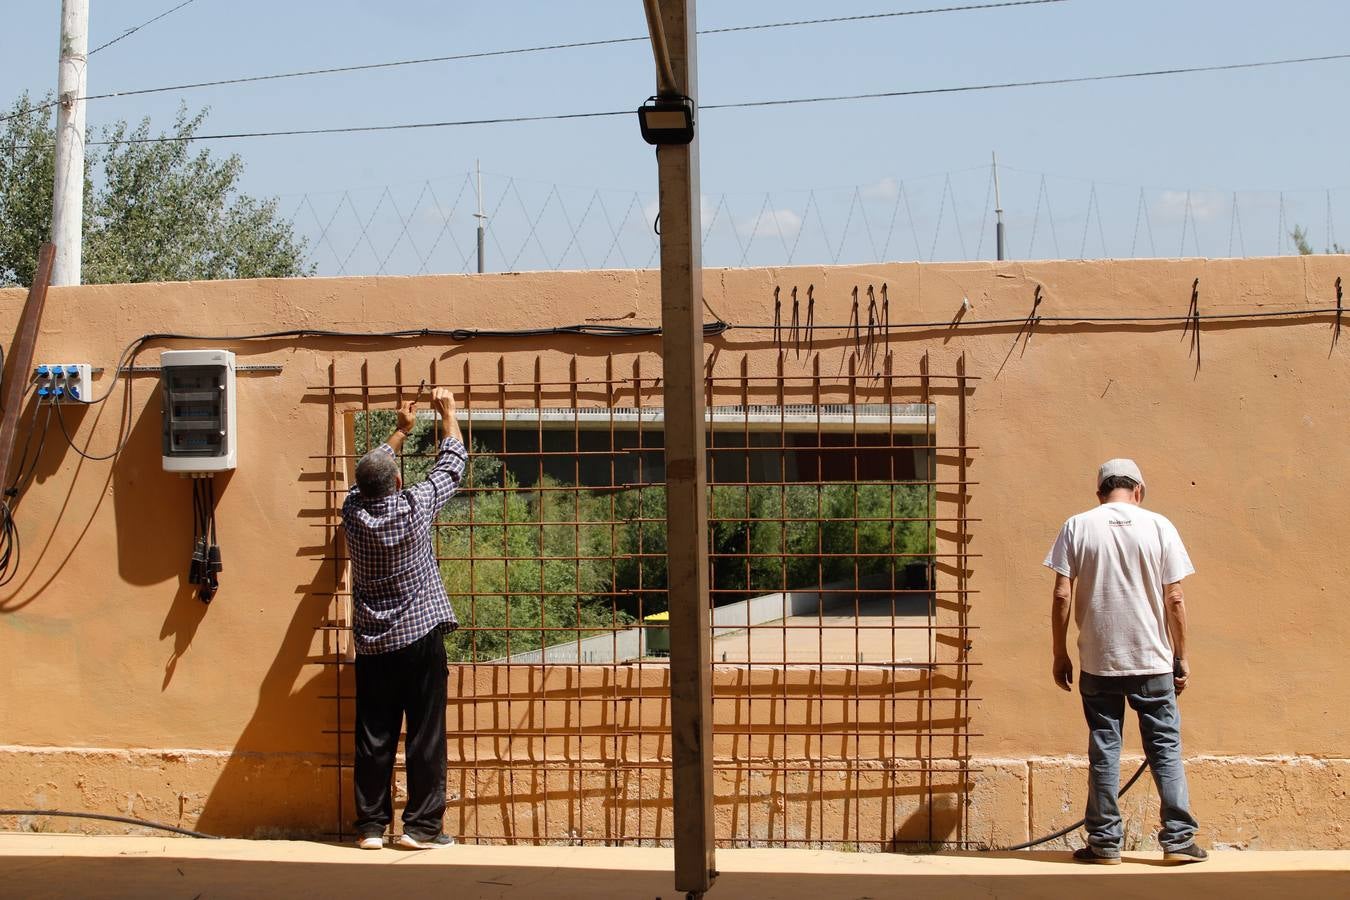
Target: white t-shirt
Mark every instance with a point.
(1121, 557)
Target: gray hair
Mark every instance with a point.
(377, 474)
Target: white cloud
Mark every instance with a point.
(705, 210)
(771, 222)
(885, 189)
(1205, 206)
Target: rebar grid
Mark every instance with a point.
(839, 591)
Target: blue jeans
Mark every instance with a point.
(1154, 698)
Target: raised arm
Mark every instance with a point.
(444, 401)
(448, 471)
(407, 418)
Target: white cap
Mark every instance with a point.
(1124, 467)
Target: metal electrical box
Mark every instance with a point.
(200, 433)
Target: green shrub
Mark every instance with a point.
(522, 576)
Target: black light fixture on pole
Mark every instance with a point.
(667, 120)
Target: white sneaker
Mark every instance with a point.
(371, 842)
(408, 842)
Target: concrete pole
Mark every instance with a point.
(68, 189)
(686, 476)
(998, 210)
(482, 219)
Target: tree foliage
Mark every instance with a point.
(153, 210)
(1304, 246)
(522, 576)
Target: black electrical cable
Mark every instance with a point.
(1025, 845)
(967, 324)
(205, 566)
(23, 479)
(11, 546)
(743, 104)
(486, 54)
(95, 457)
(13, 488)
(130, 31)
(591, 329)
(104, 817)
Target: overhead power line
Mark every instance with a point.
(130, 31)
(486, 54)
(1040, 82)
(746, 104)
(126, 34)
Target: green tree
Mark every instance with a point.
(523, 576)
(153, 210)
(1300, 238)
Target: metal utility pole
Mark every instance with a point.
(998, 210)
(482, 219)
(68, 189)
(672, 28)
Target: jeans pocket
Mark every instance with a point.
(1090, 685)
(1157, 687)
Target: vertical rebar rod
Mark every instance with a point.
(471, 526)
(331, 465)
(927, 777)
(963, 599)
(542, 550)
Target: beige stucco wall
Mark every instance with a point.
(122, 691)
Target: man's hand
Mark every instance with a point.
(1181, 674)
(1063, 672)
(444, 401)
(407, 417)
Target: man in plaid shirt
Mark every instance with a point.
(401, 614)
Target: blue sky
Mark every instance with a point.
(1254, 132)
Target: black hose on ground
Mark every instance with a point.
(102, 817)
(1076, 825)
(125, 820)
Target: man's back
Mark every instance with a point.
(1121, 557)
(397, 591)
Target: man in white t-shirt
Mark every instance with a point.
(1119, 567)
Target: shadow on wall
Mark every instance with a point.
(560, 754)
(40, 437)
(271, 786)
(276, 783)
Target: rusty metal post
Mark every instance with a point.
(19, 361)
(686, 478)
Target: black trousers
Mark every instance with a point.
(409, 681)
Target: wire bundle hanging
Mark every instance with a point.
(10, 546)
(206, 566)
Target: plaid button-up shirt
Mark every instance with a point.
(397, 592)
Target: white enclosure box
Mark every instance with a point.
(200, 433)
(63, 382)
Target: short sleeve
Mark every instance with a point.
(1176, 562)
(1060, 557)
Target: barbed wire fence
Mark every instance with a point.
(430, 226)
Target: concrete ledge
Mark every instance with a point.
(1242, 802)
(72, 865)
